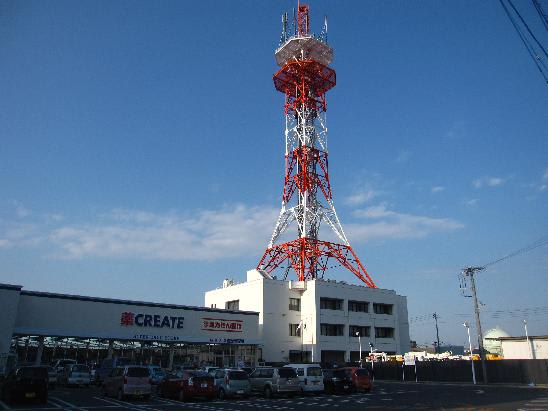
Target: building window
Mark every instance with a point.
(299, 357)
(295, 304)
(233, 305)
(384, 332)
(382, 308)
(331, 304)
(294, 330)
(363, 330)
(358, 306)
(332, 330)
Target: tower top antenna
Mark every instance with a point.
(302, 45)
(303, 20)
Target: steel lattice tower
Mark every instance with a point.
(307, 201)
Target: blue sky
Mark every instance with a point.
(141, 150)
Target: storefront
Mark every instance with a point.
(40, 323)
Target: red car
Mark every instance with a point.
(185, 384)
(361, 379)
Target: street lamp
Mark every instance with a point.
(300, 328)
(471, 357)
(372, 360)
(360, 342)
(527, 336)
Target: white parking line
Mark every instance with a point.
(54, 403)
(167, 403)
(138, 406)
(5, 406)
(116, 404)
(134, 406)
(67, 404)
(35, 409)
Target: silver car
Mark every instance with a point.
(272, 380)
(231, 382)
(131, 380)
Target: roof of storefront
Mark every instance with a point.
(127, 302)
(10, 287)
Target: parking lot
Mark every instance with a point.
(385, 396)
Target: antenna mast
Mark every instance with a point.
(304, 77)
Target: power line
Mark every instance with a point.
(540, 11)
(527, 27)
(509, 313)
(528, 46)
(538, 243)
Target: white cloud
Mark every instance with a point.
(403, 156)
(437, 189)
(539, 186)
(18, 234)
(361, 197)
(207, 235)
(20, 210)
(378, 211)
(53, 217)
(488, 182)
(391, 225)
(456, 132)
(471, 203)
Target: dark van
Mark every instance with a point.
(26, 383)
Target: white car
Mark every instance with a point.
(76, 374)
(210, 370)
(310, 377)
(131, 380)
(60, 364)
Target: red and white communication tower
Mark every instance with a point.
(307, 201)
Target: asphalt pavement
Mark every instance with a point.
(384, 396)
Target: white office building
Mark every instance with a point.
(318, 320)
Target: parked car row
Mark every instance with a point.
(182, 384)
(31, 382)
(339, 381)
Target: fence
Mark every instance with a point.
(503, 371)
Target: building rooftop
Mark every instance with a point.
(120, 301)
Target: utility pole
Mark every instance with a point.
(470, 271)
(437, 333)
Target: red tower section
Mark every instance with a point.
(307, 200)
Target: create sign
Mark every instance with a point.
(219, 324)
(148, 320)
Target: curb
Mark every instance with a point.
(467, 384)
